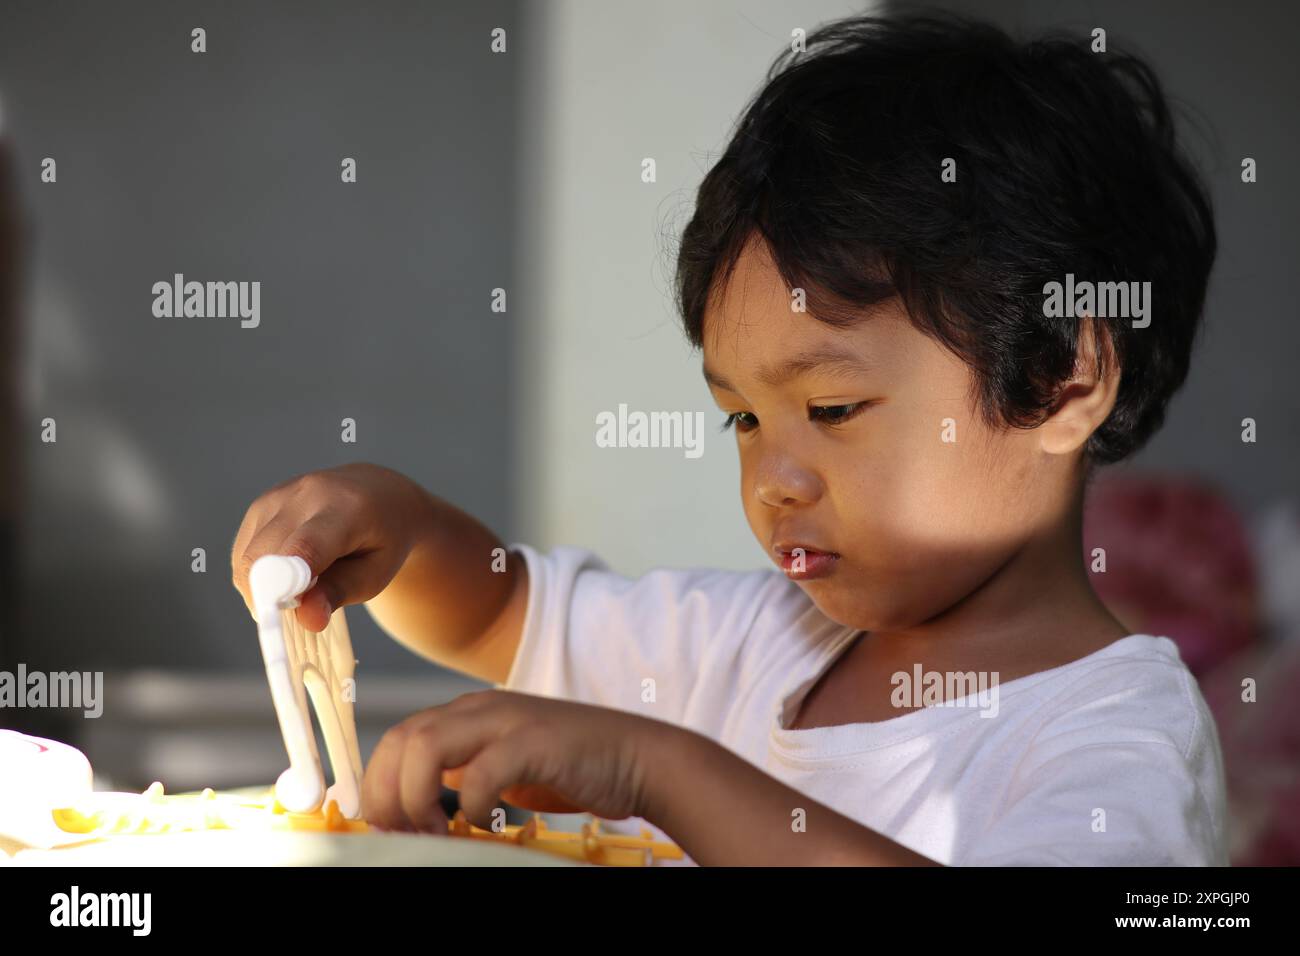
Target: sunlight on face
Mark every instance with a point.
(842, 451)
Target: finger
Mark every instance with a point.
(314, 610)
(349, 580)
(420, 778)
(265, 540)
(503, 764)
(268, 538)
(319, 540)
(381, 804)
(241, 558)
(272, 504)
(266, 507)
(324, 541)
(527, 796)
(539, 798)
(436, 743)
(238, 573)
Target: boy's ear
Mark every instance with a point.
(1087, 398)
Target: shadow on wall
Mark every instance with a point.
(10, 454)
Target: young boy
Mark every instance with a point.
(929, 678)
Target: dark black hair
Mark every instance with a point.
(1066, 163)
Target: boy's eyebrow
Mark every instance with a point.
(828, 359)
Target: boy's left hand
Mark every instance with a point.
(533, 752)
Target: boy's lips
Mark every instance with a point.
(788, 546)
(803, 562)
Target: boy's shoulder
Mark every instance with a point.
(760, 598)
(1136, 688)
(759, 613)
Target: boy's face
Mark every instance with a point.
(908, 524)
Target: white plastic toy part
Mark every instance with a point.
(37, 775)
(299, 663)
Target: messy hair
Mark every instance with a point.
(1066, 162)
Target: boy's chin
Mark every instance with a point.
(841, 603)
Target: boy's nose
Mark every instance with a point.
(784, 482)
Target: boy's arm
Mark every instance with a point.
(724, 811)
(448, 604)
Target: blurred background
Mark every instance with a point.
(518, 170)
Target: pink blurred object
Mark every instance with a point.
(1261, 737)
(1178, 564)
(1261, 751)
(1181, 563)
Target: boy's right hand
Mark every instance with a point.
(354, 525)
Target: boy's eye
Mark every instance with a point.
(835, 414)
(744, 421)
(829, 414)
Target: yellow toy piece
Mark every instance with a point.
(589, 844)
(153, 812)
(111, 814)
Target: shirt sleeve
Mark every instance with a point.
(1132, 777)
(670, 644)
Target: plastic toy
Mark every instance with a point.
(111, 814)
(588, 844)
(299, 663)
(154, 812)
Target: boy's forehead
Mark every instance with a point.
(754, 307)
(751, 323)
(753, 290)
(756, 338)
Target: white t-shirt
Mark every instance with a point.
(1112, 759)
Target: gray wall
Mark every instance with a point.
(375, 296)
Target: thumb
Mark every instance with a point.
(346, 581)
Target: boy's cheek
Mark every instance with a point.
(941, 493)
(899, 589)
(917, 545)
